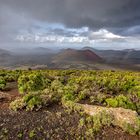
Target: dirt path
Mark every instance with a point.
(9, 95)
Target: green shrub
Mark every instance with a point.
(57, 86)
(111, 88)
(69, 97)
(98, 98)
(18, 104)
(34, 102)
(81, 96)
(121, 101)
(2, 83)
(111, 102)
(125, 102)
(32, 134)
(32, 82)
(29, 102)
(133, 130)
(96, 122)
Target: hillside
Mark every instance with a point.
(41, 51)
(4, 53)
(129, 56)
(86, 58)
(5, 57)
(77, 55)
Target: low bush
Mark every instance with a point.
(29, 102)
(94, 124)
(112, 102)
(18, 104)
(32, 82)
(133, 130)
(2, 83)
(121, 101)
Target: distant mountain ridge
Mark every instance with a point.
(4, 52)
(86, 57)
(122, 56)
(77, 55)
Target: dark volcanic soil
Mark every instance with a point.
(51, 123)
(11, 94)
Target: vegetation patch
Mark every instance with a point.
(110, 96)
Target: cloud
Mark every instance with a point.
(79, 13)
(132, 31)
(61, 36)
(73, 20)
(104, 34)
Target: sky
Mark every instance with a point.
(102, 24)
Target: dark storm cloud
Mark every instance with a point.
(118, 16)
(78, 13)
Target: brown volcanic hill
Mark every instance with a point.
(77, 55)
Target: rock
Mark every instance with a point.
(121, 116)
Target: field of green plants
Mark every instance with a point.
(39, 89)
